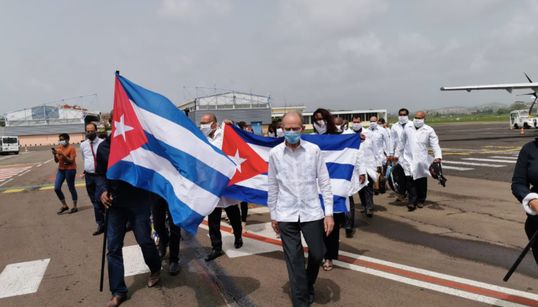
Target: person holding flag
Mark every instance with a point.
(154, 148)
(210, 128)
(296, 170)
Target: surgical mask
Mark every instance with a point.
(91, 136)
(403, 119)
(357, 127)
(321, 126)
(206, 128)
(63, 142)
(418, 122)
(279, 132)
(373, 125)
(339, 128)
(292, 137)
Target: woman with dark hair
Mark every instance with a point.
(65, 155)
(324, 122)
(525, 188)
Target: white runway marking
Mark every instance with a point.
(489, 160)
(22, 278)
(504, 157)
(133, 261)
(9, 172)
(458, 168)
(472, 163)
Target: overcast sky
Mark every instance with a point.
(349, 54)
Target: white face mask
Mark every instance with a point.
(339, 128)
(373, 125)
(63, 142)
(418, 122)
(279, 132)
(206, 128)
(403, 119)
(321, 126)
(356, 127)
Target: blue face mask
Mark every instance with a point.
(292, 137)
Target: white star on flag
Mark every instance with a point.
(121, 128)
(237, 160)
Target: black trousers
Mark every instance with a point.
(366, 195)
(244, 211)
(350, 216)
(301, 280)
(168, 236)
(531, 226)
(417, 190)
(214, 225)
(332, 241)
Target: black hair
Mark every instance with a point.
(357, 116)
(94, 125)
(404, 110)
(329, 119)
(381, 120)
(242, 125)
(64, 136)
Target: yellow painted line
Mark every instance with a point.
(14, 191)
(82, 184)
(47, 187)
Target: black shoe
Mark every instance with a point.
(349, 233)
(100, 230)
(420, 205)
(238, 243)
(369, 213)
(173, 269)
(62, 209)
(215, 253)
(411, 208)
(311, 297)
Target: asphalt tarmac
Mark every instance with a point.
(454, 251)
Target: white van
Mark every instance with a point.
(9, 144)
(521, 119)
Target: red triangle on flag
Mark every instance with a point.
(127, 132)
(249, 163)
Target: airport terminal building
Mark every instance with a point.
(40, 125)
(236, 106)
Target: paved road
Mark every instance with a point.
(452, 252)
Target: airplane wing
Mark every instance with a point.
(507, 86)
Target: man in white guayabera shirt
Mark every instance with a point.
(296, 170)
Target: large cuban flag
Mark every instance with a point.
(250, 153)
(154, 146)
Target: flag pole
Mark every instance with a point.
(521, 256)
(103, 253)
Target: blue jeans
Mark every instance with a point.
(92, 184)
(69, 175)
(138, 216)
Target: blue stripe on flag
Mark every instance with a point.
(182, 215)
(258, 139)
(333, 141)
(340, 171)
(188, 166)
(339, 204)
(250, 195)
(160, 105)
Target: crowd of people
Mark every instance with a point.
(397, 154)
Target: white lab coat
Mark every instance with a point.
(413, 148)
(216, 140)
(367, 162)
(380, 143)
(395, 134)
